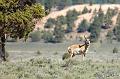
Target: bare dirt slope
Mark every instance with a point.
(78, 8)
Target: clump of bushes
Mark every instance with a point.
(36, 36)
(85, 10)
(83, 26)
(115, 50)
(48, 36)
(38, 52)
(50, 23)
(65, 56)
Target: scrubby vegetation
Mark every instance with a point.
(83, 26)
(43, 68)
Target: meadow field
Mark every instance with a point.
(36, 60)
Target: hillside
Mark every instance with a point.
(78, 8)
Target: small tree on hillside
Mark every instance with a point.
(16, 20)
(83, 26)
(70, 18)
(95, 29)
(116, 30)
(61, 20)
(58, 34)
(85, 10)
(50, 23)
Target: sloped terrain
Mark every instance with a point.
(78, 8)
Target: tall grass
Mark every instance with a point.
(44, 68)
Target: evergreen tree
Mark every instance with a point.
(95, 29)
(85, 10)
(116, 30)
(58, 34)
(61, 20)
(50, 23)
(100, 15)
(70, 18)
(108, 17)
(83, 26)
(16, 20)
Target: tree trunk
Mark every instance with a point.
(2, 48)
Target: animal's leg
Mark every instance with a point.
(83, 57)
(73, 55)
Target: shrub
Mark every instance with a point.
(55, 53)
(58, 34)
(83, 26)
(71, 16)
(115, 50)
(85, 10)
(48, 36)
(38, 52)
(36, 36)
(65, 56)
(61, 20)
(50, 23)
(116, 32)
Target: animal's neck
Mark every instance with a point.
(86, 47)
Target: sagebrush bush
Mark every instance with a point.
(38, 52)
(45, 68)
(36, 36)
(66, 56)
(115, 50)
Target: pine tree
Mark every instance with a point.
(50, 23)
(83, 26)
(116, 30)
(95, 29)
(58, 34)
(70, 18)
(85, 10)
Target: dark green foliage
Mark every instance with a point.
(16, 19)
(116, 30)
(118, 19)
(61, 20)
(83, 26)
(110, 35)
(90, 2)
(50, 23)
(95, 11)
(95, 29)
(95, 26)
(17, 22)
(38, 52)
(54, 37)
(58, 34)
(48, 5)
(36, 36)
(74, 2)
(71, 17)
(63, 3)
(85, 10)
(65, 56)
(115, 50)
(100, 15)
(48, 36)
(110, 13)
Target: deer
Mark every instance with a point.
(79, 49)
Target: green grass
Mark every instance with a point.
(25, 62)
(43, 68)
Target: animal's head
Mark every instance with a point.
(87, 41)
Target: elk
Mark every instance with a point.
(79, 49)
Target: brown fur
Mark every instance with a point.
(79, 49)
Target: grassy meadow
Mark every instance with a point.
(36, 60)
